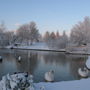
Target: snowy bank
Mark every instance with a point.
(83, 84)
(81, 50)
(38, 47)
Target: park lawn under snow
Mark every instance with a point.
(33, 46)
(37, 46)
(83, 84)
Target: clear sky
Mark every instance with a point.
(51, 15)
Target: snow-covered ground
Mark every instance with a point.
(78, 50)
(36, 46)
(43, 46)
(83, 84)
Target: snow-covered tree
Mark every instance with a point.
(46, 36)
(28, 32)
(62, 41)
(23, 33)
(56, 41)
(2, 34)
(10, 37)
(2, 27)
(33, 31)
(57, 35)
(52, 39)
(52, 36)
(80, 33)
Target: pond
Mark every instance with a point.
(39, 62)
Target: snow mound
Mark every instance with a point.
(19, 81)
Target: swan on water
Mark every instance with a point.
(19, 58)
(88, 63)
(1, 58)
(83, 72)
(49, 76)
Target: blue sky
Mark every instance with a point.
(51, 15)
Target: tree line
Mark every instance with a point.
(55, 40)
(29, 33)
(26, 33)
(80, 35)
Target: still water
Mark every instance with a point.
(39, 62)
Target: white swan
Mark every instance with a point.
(88, 63)
(83, 72)
(49, 76)
(19, 58)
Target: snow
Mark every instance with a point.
(83, 84)
(36, 46)
(44, 47)
(78, 50)
(68, 85)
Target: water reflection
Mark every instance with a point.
(37, 63)
(76, 62)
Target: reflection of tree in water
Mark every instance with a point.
(33, 62)
(56, 58)
(28, 61)
(7, 53)
(75, 64)
(8, 64)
